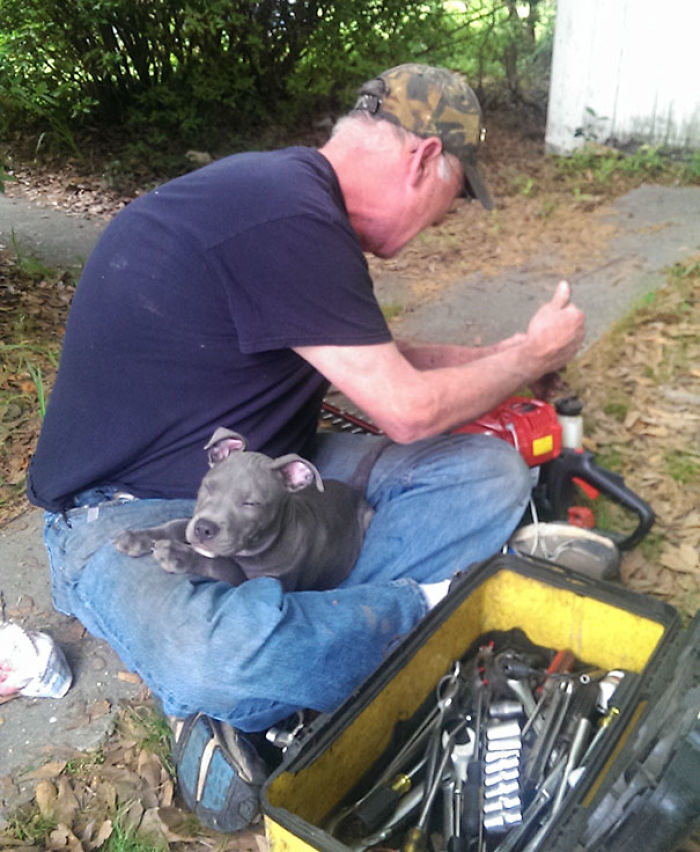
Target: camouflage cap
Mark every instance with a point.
(431, 101)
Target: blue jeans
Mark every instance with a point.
(253, 654)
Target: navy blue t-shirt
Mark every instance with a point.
(183, 321)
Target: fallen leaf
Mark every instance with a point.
(46, 795)
(167, 792)
(129, 677)
(675, 559)
(106, 793)
(98, 709)
(66, 803)
(150, 768)
(131, 815)
(153, 827)
(103, 834)
(48, 770)
(63, 838)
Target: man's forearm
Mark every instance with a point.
(429, 356)
(416, 391)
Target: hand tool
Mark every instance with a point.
(562, 663)
(543, 796)
(494, 756)
(372, 810)
(520, 689)
(417, 837)
(502, 764)
(505, 708)
(577, 730)
(603, 726)
(502, 730)
(505, 775)
(607, 687)
(505, 802)
(453, 802)
(408, 804)
(472, 790)
(447, 691)
(539, 755)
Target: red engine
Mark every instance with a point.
(530, 425)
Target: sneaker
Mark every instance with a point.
(219, 772)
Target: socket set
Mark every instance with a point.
(506, 737)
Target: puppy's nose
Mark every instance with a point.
(205, 530)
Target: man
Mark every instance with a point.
(231, 297)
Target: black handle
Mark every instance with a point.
(571, 464)
(471, 813)
(376, 809)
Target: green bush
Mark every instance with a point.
(188, 67)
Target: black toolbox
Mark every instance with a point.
(641, 789)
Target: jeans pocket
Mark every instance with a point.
(72, 540)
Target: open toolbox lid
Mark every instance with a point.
(656, 746)
(647, 796)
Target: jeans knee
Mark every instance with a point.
(513, 474)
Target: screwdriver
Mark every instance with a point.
(577, 732)
(471, 790)
(373, 810)
(416, 839)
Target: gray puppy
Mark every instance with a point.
(260, 517)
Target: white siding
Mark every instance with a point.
(627, 71)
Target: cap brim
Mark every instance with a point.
(475, 184)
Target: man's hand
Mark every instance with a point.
(555, 332)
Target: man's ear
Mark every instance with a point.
(424, 159)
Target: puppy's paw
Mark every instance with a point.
(134, 542)
(174, 556)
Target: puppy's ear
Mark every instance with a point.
(297, 473)
(222, 443)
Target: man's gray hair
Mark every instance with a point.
(372, 134)
(365, 131)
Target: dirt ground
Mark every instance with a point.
(648, 430)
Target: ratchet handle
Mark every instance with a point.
(471, 792)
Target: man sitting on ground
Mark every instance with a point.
(233, 296)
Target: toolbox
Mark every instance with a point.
(640, 789)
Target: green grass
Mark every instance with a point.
(616, 409)
(682, 466)
(610, 458)
(153, 733)
(35, 373)
(595, 165)
(524, 185)
(392, 310)
(33, 829)
(123, 839)
(84, 764)
(29, 265)
(651, 547)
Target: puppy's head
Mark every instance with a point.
(240, 503)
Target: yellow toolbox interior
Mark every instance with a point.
(604, 625)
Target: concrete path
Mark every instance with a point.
(57, 239)
(657, 227)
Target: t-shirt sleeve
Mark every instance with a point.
(300, 281)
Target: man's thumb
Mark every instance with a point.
(562, 294)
